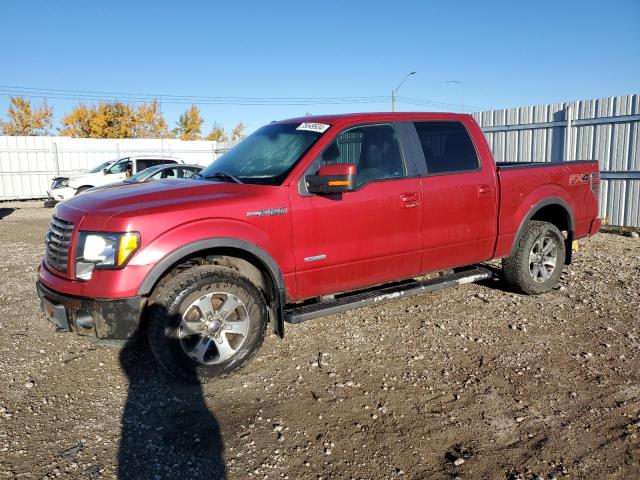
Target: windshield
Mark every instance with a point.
(266, 156)
(142, 175)
(102, 166)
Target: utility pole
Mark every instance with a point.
(394, 92)
(461, 84)
(162, 132)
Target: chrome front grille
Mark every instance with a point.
(58, 240)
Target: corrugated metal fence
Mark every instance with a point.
(27, 164)
(605, 129)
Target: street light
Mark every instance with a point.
(461, 83)
(393, 92)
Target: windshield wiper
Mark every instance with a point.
(222, 175)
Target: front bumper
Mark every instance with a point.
(60, 194)
(106, 319)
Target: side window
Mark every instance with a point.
(142, 164)
(373, 149)
(170, 173)
(186, 173)
(121, 166)
(156, 176)
(447, 147)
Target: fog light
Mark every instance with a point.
(84, 270)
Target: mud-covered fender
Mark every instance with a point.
(268, 263)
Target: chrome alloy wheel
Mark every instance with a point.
(213, 328)
(543, 258)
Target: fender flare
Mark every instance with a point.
(535, 209)
(269, 264)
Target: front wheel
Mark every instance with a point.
(206, 322)
(537, 263)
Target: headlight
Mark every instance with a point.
(104, 251)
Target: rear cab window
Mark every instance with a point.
(447, 147)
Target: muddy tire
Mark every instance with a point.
(537, 263)
(206, 323)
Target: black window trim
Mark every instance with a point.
(421, 161)
(406, 153)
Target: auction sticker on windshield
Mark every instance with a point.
(313, 127)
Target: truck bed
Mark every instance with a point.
(523, 185)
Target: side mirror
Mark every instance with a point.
(333, 178)
(105, 171)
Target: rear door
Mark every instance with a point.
(365, 237)
(459, 196)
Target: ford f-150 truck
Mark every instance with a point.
(304, 218)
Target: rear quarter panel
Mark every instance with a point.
(522, 189)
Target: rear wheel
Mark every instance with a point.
(206, 322)
(82, 190)
(537, 263)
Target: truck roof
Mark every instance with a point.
(376, 116)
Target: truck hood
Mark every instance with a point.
(153, 197)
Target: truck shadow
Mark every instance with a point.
(5, 212)
(496, 282)
(167, 430)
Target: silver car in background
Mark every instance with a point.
(159, 172)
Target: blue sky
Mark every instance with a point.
(508, 53)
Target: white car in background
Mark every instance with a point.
(112, 171)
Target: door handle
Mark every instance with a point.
(409, 200)
(484, 191)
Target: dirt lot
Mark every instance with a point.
(472, 382)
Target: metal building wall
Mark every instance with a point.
(27, 164)
(605, 129)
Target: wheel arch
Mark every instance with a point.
(240, 255)
(553, 210)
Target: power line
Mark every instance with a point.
(169, 98)
(93, 96)
(166, 95)
(420, 101)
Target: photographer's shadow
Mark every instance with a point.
(167, 430)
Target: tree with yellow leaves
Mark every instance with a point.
(149, 122)
(115, 120)
(237, 133)
(217, 134)
(77, 123)
(189, 124)
(25, 120)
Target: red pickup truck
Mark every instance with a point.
(304, 218)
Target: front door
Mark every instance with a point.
(365, 237)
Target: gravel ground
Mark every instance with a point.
(471, 382)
